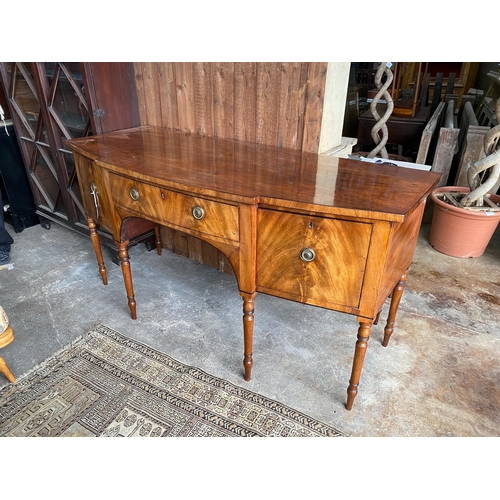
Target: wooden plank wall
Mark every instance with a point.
(268, 103)
(278, 104)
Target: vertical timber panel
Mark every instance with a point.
(267, 106)
(291, 110)
(185, 96)
(223, 102)
(244, 101)
(314, 108)
(168, 97)
(203, 98)
(151, 82)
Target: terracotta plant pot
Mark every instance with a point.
(459, 232)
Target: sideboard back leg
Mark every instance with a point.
(96, 243)
(248, 322)
(397, 293)
(158, 240)
(359, 357)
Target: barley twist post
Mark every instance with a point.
(380, 126)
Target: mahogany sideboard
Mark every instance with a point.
(330, 232)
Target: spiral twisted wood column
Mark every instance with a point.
(380, 127)
(476, 174)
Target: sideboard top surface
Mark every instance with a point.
(265, 174)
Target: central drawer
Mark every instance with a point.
(176, 209)
(310, 259)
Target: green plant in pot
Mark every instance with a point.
(465, 218)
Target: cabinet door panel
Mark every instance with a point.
(311, 259)
(66, 99)
(93, 191)
(32, 129)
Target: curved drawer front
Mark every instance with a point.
(172, 208)
(311, 259)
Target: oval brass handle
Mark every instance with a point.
(134, 194)
(307, 254)
(198, 212)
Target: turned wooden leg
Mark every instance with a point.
(397, 293)
(5, 370)
(248, 321)
(357, 365)
(158, 240)
(127, 277)
(96, 243)
(377, 317)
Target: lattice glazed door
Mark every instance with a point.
(55, 101)
(33, 130)
(68, 107)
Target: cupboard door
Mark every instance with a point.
(66, 101)
(34, 134)
(112, 95)
(94, 192)
(309, 259)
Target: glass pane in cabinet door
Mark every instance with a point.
(47, 191)
(67, 102)
(73, 188)
(25, 102)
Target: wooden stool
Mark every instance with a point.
(5, 339)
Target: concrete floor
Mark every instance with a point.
(439, 376)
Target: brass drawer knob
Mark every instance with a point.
(134, 194)
(307, 254)
(198, 212)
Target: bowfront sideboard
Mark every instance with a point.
(330, 232)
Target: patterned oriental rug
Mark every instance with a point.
(105, 384)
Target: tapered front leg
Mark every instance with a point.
(359, 358)
(248, 322)
(96, 243)
(127, 277)
(397, 293)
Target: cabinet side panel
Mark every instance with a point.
(400, 251)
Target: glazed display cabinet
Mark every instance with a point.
(51, 102)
